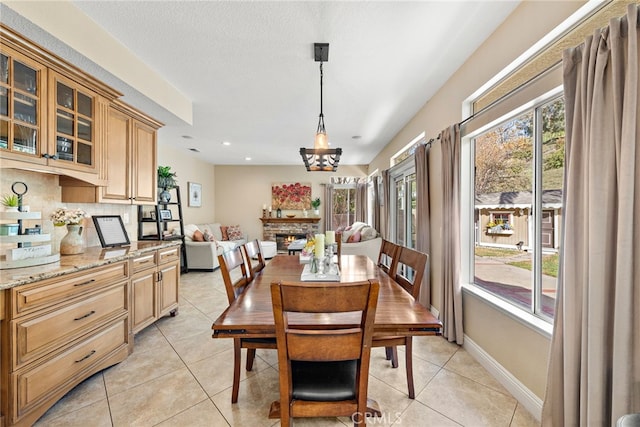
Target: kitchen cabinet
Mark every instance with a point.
(129, 162)
(59, 332)
(23, 97)
(154, 286)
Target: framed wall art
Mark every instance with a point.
(195, 195)
(295, 195)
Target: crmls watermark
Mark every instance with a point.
(384, 418)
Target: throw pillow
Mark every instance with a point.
(198, 236)
(189, 229)
(354, 238)
(208, 237)
(223, 230)
(234, 232)
(368, 233)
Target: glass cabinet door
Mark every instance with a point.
(74, 124)
(20, 105)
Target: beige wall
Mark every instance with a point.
(240, 191)
(500, 336)
(189, 169)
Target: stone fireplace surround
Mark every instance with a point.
(271, 227)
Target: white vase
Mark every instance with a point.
(316, 212)
(72, 243)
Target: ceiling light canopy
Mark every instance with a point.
(321, 158)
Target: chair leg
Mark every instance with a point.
(409, 362)
(388, 352)
(237, 355)
(394, 357)
(251, 355)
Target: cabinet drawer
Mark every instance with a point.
(47, 292)
(38, 383)
(143, 262)
(168, 254)
(38, 334)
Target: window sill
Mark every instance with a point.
(527, 319)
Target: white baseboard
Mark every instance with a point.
(522, 394)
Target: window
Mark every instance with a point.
(403, 201)
(344, 202)
(518, 184)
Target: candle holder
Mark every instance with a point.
(264, 213)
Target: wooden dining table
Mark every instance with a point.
(251, 314)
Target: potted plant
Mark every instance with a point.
(166, 181)
(315, 204)
(10, 202)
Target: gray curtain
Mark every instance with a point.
(376, 204)
(386, 200)
(594, 365)
(328, 207)
(361, 201)
(452, 290)
(423, 218)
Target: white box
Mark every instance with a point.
(30, 252)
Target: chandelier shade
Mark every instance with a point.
(321, 158)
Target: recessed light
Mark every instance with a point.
(195, 150)
(356, 137)
(227, 143)
(247, 158)
(187, 136)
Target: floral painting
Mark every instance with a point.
(291, 195)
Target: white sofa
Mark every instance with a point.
(370, 248)
(368, 241)
(203, 256)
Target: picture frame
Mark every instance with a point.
(111, 231)
(165, 215)
(195, 195)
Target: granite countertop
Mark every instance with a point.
(92, 257)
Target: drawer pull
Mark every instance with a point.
(92, 312)
(85, 283)
(144, 261)
(87, 356)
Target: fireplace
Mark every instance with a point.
(283, 240)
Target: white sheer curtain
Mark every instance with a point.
(594, 368)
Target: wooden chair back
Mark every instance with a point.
(301, 345)
(234, 273)
(387, 256)
(253, 250)
(409, 269)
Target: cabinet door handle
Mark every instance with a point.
(87, 356)
(91, 313)
(85, 283)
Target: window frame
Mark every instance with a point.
(467, 226)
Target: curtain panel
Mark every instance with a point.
(594, 366)
(361, 201)
(376, 203)
(328, 207)
(423, 218)
(451, 305)
(386, 201)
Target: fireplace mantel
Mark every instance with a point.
(290, 220)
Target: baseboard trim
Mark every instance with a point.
(523, 395)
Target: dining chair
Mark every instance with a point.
(233, 264)
(408, 271)
(323, 372)
(253, 251)
(387, 256)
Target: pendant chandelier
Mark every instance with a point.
(321, 158)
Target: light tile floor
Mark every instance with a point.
(179, 376)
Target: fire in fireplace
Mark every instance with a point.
(283, 240)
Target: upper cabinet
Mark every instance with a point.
(72, 125)
(22, 105)
(56, 119)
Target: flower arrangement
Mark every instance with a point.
(315, 203)
(166, 178)
(309, 247)
(64, 216)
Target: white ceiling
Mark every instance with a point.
(248, 68)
